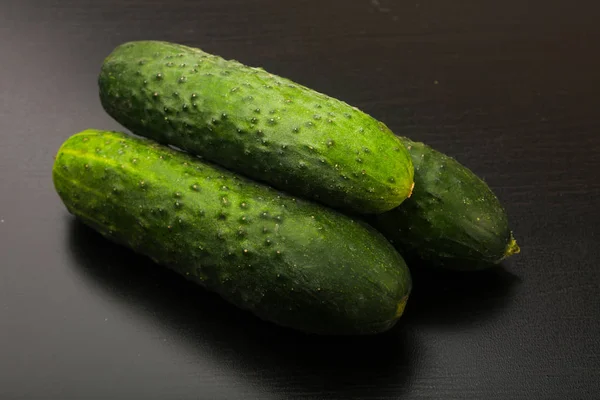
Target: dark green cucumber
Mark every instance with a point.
(453, 219)
(290, 261)
(257, 124)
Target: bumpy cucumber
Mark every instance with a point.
(258, 124)
(453, 219)
(290, 261)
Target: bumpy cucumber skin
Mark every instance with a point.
(289, 261)
(258, 124)
(453, 219)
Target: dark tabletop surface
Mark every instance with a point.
(510, 88)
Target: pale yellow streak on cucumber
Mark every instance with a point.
(107, 161)
(79, 184)
(94, 157)
(81, 214)
(401, 306)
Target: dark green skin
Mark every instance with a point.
(257, 124)
(453, 219)
(289, 261)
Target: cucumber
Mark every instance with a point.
(453, 219)
(257, 124)
(289, 261)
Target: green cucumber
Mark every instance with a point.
(289, 261)
(453, 219)
(261, 125)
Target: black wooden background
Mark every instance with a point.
(510, 88)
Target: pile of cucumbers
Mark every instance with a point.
(286, 202)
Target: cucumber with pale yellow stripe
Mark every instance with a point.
(289, 261)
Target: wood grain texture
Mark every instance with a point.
(509, 88)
